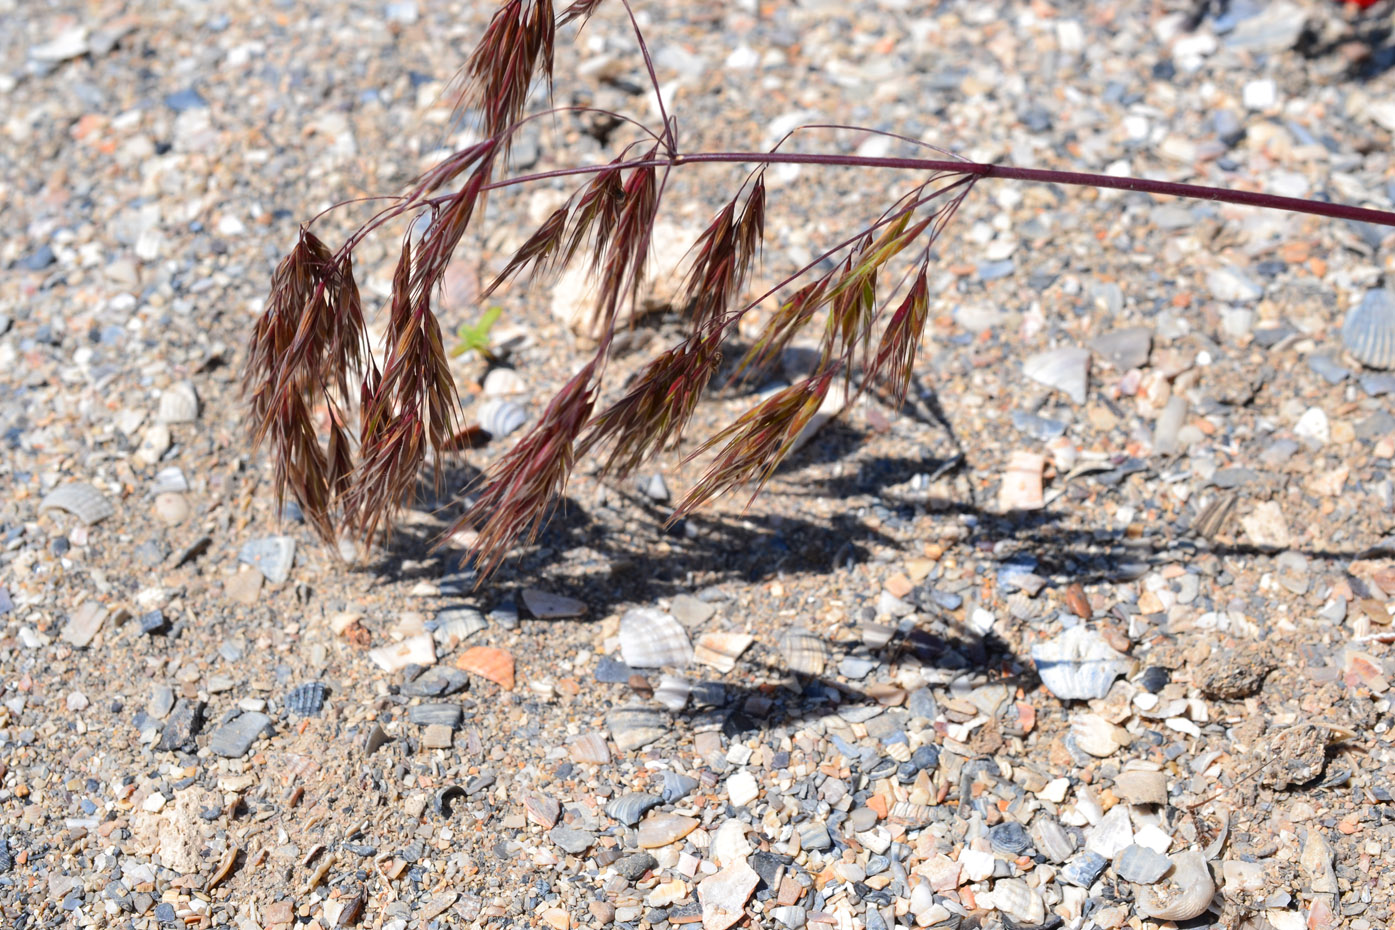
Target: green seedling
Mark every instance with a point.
(475, 338)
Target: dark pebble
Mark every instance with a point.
(358, 849)
(1154, 679)
(632, 868)
(437, 681)
(164, 912)
(424, 715)
(38, 260)
(154, 623)
(184, 723)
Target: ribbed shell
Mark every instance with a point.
(629, 808)
(804, 652)
(500, 417)
(635, 726)
(79, 499)
(650, 638)
(1369, 331)
(307, 700)
(1079, 665)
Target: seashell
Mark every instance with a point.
(169, 481)
(677, 786)
(1141, 865)
(911, 815)
(1112, 834)
(1095, 735)
(707, 694)
(1079, 665)
(1185, 894)
(635, 726)
(630, 808)
(501, 382)
(742, 789)
(1051, 839)
(1369, 330)
(270, 555)
(729, 843)
(650, 638)
(1018, 901)
(307, 700)
(489, 663)
(414, 650)
(1141, 787)
(79, 499)
(499, 417)
(805, 653)
(442, 799)
(1066, 369)
(179, 403)
(446, 715)
(1084, 869)
(721, 650)
(673, 692)
(542, 810)
(1010, 838)
(454, 625)
(589, 747)
(662, 829)
(373, 739)
(875, 635)
(225, 868)
(814, 835)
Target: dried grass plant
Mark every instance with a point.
(310, 350)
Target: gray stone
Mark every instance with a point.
(234, 738)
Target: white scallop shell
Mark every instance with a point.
(650, 638)
(79, 499)
(1079, 665)
(499, 418)
(179, 403)
(804, 652)
(1186, 893)
(1369, 331)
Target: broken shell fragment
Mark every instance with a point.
(79, 499)
(1186, 893)
(804, 652)
(1079, 665)
(179, 403)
